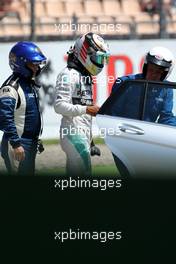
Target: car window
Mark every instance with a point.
(141, 100)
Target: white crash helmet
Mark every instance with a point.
(162, 57)
(92, 51)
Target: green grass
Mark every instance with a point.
(109, 170)
(98, 140)
(54, 141)
(50, 141)
(51, 172)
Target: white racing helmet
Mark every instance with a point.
(92, 51)
(162, 57)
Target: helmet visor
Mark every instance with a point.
(100, 57)
(154, 59)
(36, 67)
(41, 64)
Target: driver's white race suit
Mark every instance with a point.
(73, 94)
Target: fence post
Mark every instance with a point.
(162, 20)
(32, 20)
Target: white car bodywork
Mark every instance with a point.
(144, 148)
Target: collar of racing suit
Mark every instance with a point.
(73, 63)
(28, 80)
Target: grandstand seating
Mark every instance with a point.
(11, 26)
(74, 7)
(171, 25)
(51, 15)
(130, 7)
(93, 8)
(126, 23)
(54, 9)
(142, 25)
(111, 7)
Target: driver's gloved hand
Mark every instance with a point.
(94, 151)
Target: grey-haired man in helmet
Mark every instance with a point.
(74, 101)
(157, 66)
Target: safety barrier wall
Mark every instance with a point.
(126, 58)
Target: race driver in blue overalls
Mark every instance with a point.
(20, 118)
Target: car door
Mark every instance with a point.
(141, 146)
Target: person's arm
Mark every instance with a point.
(118, 82)
(63, 97)
(167, 117)
(8, 103)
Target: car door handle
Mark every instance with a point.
(126, 128)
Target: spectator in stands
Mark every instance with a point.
(120, 2)
(173, 6)
(5, 5)
(7, 10)
(167, 7)
(149, 6)
(152, 7)
(173, 3)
